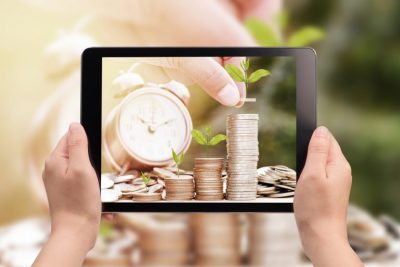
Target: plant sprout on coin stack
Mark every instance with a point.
(207, 172)
(242, 141)
(179, 187)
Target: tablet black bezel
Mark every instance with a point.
(91, 106)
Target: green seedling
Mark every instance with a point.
(242, 75)
(205, 137)
(146, 179)
(178, 159)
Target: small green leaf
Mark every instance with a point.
(217, 139)
(262, 33)
(235, 72)
(175, 156)
(242, 65)
(305, 36)
(145, 178)
(181, 157)
(199, 137)
(258, 74)
(246, 64)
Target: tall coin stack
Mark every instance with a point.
(208, 180)
(242, 149)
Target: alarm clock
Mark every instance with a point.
(150, 121)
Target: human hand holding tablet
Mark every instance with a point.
(152, 117)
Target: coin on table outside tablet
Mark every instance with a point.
(109, 195)
(106, 182)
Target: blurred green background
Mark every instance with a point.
(358, 91)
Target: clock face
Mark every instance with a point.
(153, 122)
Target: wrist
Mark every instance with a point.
(79, 232)
(318, 238)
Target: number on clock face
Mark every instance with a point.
(152, 124)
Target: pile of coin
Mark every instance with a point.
(130, 187)
(177, 186)
(273, 240)
(242, 150)
(373, 239)
(276, 181)
(165, 244)
(216, 239)
(207, 174)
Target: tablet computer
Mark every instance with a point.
(160, 143)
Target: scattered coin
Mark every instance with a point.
(148, 197)
(109, 195)
(164, 173)
(106, 181)
(124, 178)
(157, 188)
(281, 178)
(124, 188)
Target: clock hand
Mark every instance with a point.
(153, 128)
(145, 122)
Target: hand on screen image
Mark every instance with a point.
(207, 72)
(321, 201)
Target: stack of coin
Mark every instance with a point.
(273, 240)
(208, 178)
(216, 239)
(242, 149)
(276, 181)
(165, 244)
(180, 188)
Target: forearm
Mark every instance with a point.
(335, 253)
(65, 248)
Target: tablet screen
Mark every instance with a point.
(167, 137)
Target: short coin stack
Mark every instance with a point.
(242, 149)
(208, 178)
(276, 181)
(165, 244)
(216, 239)
(180, 188)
